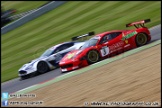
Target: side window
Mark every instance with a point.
(109, 37)
(105, 38)
(114, 35)
(63, 47)
(53, 52)
(69, 45)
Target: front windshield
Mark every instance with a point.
(89, 43)
(47, 53)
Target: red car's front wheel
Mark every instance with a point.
(92, 56)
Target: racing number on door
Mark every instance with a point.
(104, 51)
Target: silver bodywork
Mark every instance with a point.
(31, 67)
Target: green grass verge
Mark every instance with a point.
(21, 6)
(70, 19)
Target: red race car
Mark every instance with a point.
(105, 45)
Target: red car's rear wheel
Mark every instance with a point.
(141, 39)
(92, 56)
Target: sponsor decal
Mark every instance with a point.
(129, 35)
(116, 46)
(126, 41)
(69, 56)
(127, 45)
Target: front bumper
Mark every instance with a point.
(25, 72)
(72, 65)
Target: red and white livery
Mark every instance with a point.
(105, 45)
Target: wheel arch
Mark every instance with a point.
(36, 64)
(143, 33)
(147, 36)
(93, 50)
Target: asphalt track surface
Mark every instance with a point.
(16, 85)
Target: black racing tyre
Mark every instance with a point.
(93, 56)
(42, 67)
(141, 39)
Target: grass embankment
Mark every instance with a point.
(21, 6)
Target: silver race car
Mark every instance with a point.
(50, 59)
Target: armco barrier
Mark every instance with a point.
(40, 11)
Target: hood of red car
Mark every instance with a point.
(70, 55)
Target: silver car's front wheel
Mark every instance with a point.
(42, 67)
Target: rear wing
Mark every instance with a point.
(81, 36)
(138, 24)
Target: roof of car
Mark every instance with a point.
(54, 47)
(102, 34)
